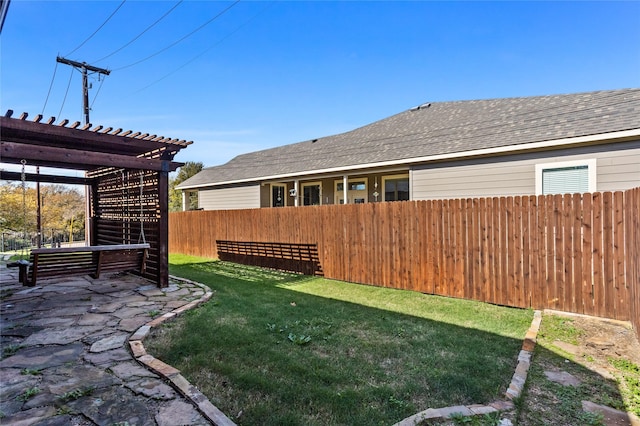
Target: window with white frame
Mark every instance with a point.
(566, 177)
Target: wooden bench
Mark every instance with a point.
(290, 257)
(86, 260)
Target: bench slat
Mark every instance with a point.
(91, 248)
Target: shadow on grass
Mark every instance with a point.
(267, 351)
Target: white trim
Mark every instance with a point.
(411, 171)
(591, 164)
(602, 137)
(345, 188)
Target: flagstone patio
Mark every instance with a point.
(66, 357)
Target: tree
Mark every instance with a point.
(62, 210)
(17, 212)
(189, 169)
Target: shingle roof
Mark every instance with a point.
(440, 128)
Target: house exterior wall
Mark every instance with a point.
(617, 168)
(235, 197)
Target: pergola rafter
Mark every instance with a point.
(127, 174)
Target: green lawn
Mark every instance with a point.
(279, 349)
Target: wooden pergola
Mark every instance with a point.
(127, 175)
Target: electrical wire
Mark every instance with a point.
(50, 87)
(139, 35)
(206, 50)
(66, 93)
(97, 91)
(182, 39)
(99, 28)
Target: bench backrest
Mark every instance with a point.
(292, 257)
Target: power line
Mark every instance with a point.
(66, 93)
(4, 9)
(139, 35)
(50, 87)
(97, 91)
(206, 50)
(99, 28)
(182, 39)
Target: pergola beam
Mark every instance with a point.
(90, 140)
(39, 155)
(44, 178)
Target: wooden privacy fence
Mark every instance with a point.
(576, 253)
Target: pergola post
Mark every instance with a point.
(163, 228)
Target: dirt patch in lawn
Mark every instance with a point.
(605, 339)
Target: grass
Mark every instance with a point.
(10, 350)
(560, 328)
(29, 393)
(279, 349)
(74, 394)
(23, 256)
(629, 383)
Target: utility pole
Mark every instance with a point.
(84, 68)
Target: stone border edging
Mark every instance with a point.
(513, 391)
(171, 374)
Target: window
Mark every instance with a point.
(566, 177)
(356, 191)
(396, 188)
(311, 194)
(353, 186)
(278, 195)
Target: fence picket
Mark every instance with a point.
(568, 255)
(607, 253)
(621, 290)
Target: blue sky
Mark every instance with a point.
(265, 74)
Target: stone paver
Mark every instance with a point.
(563, 378)
(67, 345)
(610, 416)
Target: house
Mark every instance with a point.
(568, 143)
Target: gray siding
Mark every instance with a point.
(515, 174)
(240, 197)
